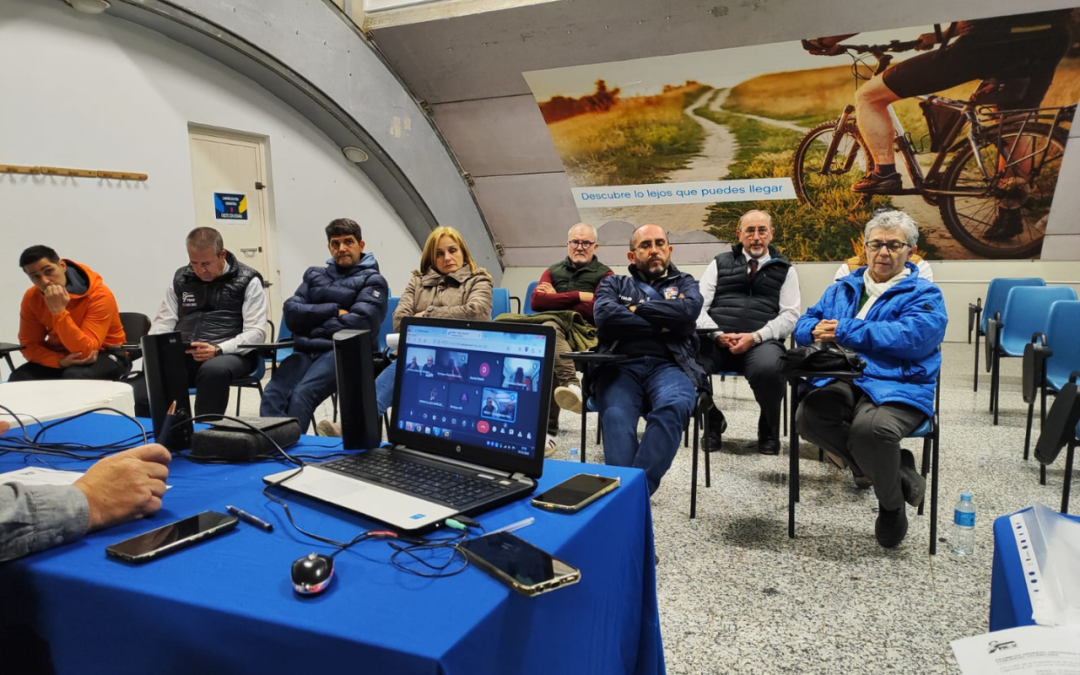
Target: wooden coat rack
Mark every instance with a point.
(75, 173)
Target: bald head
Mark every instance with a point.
(650, 251)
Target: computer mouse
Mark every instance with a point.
(311, 574)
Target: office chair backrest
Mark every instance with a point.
(1063, 339)
(387, 326)
(528, 298)
(135, 326)
(500, 301)
(998, 293)
(1027, 311)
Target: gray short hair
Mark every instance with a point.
(894, 220)
(752, 212)
(202, 238)
(595, 234)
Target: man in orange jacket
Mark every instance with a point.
(68, 321)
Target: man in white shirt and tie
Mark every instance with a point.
(751, 299)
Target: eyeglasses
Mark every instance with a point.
(578, 243)
(894, 246)
(760, 231)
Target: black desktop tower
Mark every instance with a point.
(166, 381)
(354, 352)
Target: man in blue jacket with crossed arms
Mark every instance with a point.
(896, 321)
(349, 293)
(650, 316)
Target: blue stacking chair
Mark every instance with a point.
(387, 326)
(528, 298)
(1049, 359)
(281, 353)
(1027, 310)
(500, 302)
(929, 431)
(978, 314)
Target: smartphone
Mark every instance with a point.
(518, 564)
(172, 537)
(575, 493)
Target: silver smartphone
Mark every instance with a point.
(172, 537)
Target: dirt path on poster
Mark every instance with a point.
(717, 154)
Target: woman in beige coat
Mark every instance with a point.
(449, 285)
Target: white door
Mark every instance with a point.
(228, 175)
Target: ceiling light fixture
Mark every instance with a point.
(354, 154)
(89, 6)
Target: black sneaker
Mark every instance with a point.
(1008, 224)
(891, 526)
(911, 481)
(875, 183)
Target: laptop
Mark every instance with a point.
(468, 428)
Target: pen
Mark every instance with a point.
(250, 519)
(515, 526)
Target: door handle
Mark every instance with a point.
(250, 252)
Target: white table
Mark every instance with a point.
(53, 399)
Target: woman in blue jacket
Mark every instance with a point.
(896, 321)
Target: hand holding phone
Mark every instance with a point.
(575, 493)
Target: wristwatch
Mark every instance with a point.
(757, 338)
(218, 351)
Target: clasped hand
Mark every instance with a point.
(736, 343)
(202, 351)
(824, 331)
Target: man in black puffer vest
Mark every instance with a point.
(349, 293)
(751, 297)
(218, 304)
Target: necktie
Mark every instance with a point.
(753, 266)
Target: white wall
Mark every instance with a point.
(101, 93)
(961, 282)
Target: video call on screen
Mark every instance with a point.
(471, 396)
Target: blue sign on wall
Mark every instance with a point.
(230, 206)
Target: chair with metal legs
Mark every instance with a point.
(1048, 360)
(1027, 309)
(979, 313)
(929, 431)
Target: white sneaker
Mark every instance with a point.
(552, 447)
(328, 428)
(569, 398)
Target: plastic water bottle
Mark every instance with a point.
(574, 457)
(963, 536)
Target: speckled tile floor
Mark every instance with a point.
(738, 596)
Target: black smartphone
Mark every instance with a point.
(172, 537)
(575, 493)
(518, 564)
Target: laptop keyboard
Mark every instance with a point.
(428, 482)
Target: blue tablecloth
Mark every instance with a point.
(1010, 605)
(227, 605)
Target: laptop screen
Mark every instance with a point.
(479, 384)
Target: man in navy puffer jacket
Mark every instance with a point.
(896, 321)
(349, 293)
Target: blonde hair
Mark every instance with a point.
(427, 257)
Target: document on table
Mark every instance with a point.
(1028, 649)
(39, 475)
